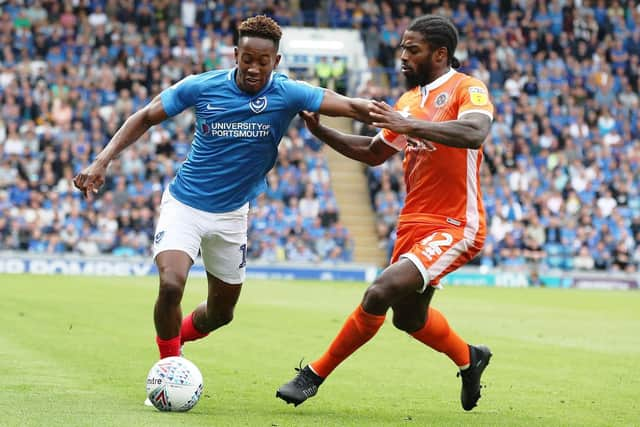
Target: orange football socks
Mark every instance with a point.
(437, 334)
(359, 328)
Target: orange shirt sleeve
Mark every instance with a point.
(395, 140)
(473, 97)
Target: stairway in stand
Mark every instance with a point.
(349, 184)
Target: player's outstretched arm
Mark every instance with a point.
(132, 129)
(91, 179)
(334, 104)
(366, 149)
(469, 131)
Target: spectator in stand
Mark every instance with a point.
(583, 260)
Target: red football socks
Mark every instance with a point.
(188, 331)
(437, 334)
(168, 348)
(359, 328)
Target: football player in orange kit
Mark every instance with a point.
(440, 123)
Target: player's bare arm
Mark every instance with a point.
(92, 178)
(372, 151)
(469, 131)
(334, 104)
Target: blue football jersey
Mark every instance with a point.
(236, 135)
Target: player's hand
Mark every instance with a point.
(91, 179)
(420, 144)
(311, 120)
(384, 116)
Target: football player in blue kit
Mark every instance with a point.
(241, 115)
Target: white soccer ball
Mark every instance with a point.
(174, 384)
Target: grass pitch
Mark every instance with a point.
(75, 351)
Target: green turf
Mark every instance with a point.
(75, 352)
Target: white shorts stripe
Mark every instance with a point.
(448, 258)
(472, 213)
(423, 270)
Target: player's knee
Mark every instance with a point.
(170, 293)
(171, 288)
(408, 324)
(224, 318)
(218, 319)
(378, 295)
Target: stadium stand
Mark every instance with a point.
(561, 168)
(70, 73)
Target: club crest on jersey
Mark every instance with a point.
(258, 105)
(441, 99)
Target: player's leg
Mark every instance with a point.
(173, 268)
(410, 313)
(224, 254)
(213, 313)
(395, 283)
(426, 324)
(435, 256)
(175, 246)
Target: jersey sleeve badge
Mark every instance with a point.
(478, 95)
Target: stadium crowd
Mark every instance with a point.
(562, 163)
(72, 72)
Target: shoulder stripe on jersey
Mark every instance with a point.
(485, 112)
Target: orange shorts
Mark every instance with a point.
(435, 249)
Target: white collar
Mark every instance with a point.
(424, 90)
(440, 80)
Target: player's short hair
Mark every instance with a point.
(261, 26)
(438, 31)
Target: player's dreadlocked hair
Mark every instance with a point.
(261, 26)
(438, 31)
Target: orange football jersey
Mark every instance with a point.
(442, 182)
